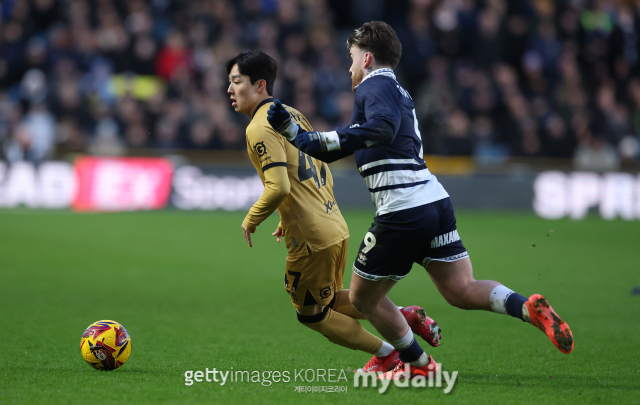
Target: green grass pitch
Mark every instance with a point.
(193, 295)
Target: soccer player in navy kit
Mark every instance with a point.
(415, 221)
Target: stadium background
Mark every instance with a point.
(501, 88)
(529, 111)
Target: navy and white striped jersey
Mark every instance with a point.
(388, 147)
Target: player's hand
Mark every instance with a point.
(309, 142)
(278, 233)
(281, 121)
(247, 234)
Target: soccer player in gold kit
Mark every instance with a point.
(300, 188)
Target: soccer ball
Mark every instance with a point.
(105, 345)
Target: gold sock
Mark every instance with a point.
(345, 331)
(343, 305)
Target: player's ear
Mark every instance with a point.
(262, 85)
(368, 59)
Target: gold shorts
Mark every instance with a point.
(313, 279)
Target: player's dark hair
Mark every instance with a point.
(257, 65)
(380, 39)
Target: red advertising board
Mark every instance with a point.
(122, 184)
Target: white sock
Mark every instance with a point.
(385, 350)
(423, 360)
(498, 299)
(525, 313)
(403, 342)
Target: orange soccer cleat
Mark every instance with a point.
(403, 371)
(381, 364)
(546, 319)
(422, 325)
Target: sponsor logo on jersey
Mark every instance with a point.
(260, 149)
(329, 205)
(445, 239)
(354, 126)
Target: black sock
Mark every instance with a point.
(411, 352)
(514, 305)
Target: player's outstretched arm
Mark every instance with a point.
(332, 156)
(383, 118)
(343, 142)
(280, 120)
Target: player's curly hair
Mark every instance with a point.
(257, 65)
(380, 39)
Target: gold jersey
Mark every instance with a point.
(309, 214)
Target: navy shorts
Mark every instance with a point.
(399, 239)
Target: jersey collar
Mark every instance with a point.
(383, 71)
(263, 102)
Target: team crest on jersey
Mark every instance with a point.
(445, 239)
(325, 292)
(260, 149)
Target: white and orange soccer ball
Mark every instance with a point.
(105, 345)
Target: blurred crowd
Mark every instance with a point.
(491, 79)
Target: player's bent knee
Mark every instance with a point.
(310, 310)
(353, 298)
(341, 330)
(357, 301)
(312, 318)
(315, 322)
